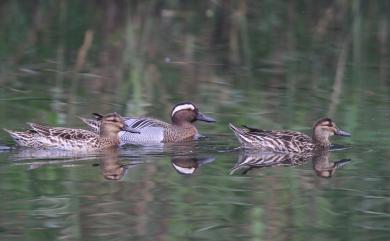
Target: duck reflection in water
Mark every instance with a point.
(249, 160)
(37, 158)
(111, 168)
(185, 157)
(110, 165)
(188, 165)
(325, 168)
(114, 163)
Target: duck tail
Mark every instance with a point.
(92, 123)
(20, 137)
(241, 134)
(11, 133)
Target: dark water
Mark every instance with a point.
(265, 64)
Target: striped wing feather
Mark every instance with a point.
(143, 122)
(63, 133)
(274, 140)
(151, 130)
(136, 123)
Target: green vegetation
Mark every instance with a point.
(268, 64)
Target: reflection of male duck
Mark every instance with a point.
(248, 160)
(187, 165)
(185, 157)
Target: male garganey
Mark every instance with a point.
(153, 131)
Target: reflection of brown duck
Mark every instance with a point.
(321, 165)
(110, 167)
(323, 168)
(248, 160)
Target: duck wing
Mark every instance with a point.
(62, 133)
(284, 141)
(273, 140)
(92, 123)
(251, 129)
(151, 131)
(144, 122)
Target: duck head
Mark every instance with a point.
(325, 128)
(186, 112)
(111, 124)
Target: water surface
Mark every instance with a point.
(260, 63)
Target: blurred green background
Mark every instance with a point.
(267, 64)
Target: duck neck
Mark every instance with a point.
(108, 134)
(109, 141)
(177, 122)
(320, 140)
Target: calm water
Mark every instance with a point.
(261, 63)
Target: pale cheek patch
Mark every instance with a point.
(183, 107)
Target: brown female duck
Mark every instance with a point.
(285, 141)
(73, 139)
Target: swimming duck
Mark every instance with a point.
(153, 131)
(74, 139)
(288, 141)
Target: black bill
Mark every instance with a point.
(342, 133)
(205, 118)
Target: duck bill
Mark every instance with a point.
(205, 118)
(130, 129)
(342, 133)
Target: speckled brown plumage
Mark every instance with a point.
(174, 133)
(41, 136)
(284, 141)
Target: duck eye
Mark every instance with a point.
(112, 120)
(327, 124)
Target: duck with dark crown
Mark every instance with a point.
(284, 141)
(153, 131)
(40, 136)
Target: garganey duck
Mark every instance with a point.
(284, 141)
(153, 131)
(74, 139)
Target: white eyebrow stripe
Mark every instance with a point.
(185, 170)
(183, 107)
